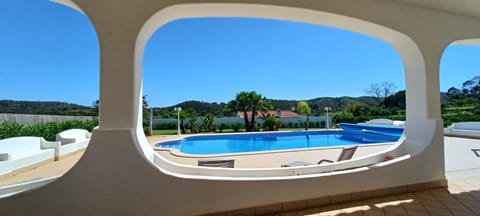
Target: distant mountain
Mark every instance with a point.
(318, 104)
(46, 108)
(200, 107)
(218, 109)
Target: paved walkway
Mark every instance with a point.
(54, 168)
(462, 197)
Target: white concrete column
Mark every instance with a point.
(117, 28)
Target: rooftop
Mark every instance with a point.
(276, 113)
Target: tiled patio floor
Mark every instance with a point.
(462, 197)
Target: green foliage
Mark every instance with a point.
(344, 116)
(322, 124)
(236, 126)
(270, 123)
(164, 132)
(448, 119)
(222, 126)
(249, 102)
(358, 109)
(46, 108)
(207, 122)
(397, 100)
(47, 130)
(303, 108)
(165, 126)
(202, 108)
(9, 129)
(192, 121)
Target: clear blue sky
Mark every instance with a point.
(49, 52)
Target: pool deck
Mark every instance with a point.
(460, 198)
(267, 159)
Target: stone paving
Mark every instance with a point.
(462, 197)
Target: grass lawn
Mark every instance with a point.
(164, 132)
(174, 132)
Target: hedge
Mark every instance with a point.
(47, 130)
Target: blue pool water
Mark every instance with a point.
(238, 143)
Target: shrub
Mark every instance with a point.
(9, 129)
(322, 124)
(270, 123)
(47, 130)
(344, 116)
(237, 126)
(222, 126)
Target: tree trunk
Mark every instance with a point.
(247, 125)
(252, 122)
(307, 123)
(182, 127)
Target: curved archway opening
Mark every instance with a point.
(459, 87)
(405, 47)
(459, 72)
(50, 56)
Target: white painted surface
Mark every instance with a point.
(25, 151)
(463, 129)
(72, 140)
(120, 174)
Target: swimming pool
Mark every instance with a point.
(242, 143)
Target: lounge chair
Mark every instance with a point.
(346, 154)
(217, 162)
(476, 152)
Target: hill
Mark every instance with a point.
(46, 108)
(218, 109)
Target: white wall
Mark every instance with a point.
(116, 176)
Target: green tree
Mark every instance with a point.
(269, 122)
(358, 109)
(258, 103)
(304, 109)
(344, 116)
(240, 104)
(207, 121)
(249, 101)
(185, 114)
(192, 121)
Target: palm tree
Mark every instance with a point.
(257, 103)
(249, 101)
(240, 104)
(186, 114)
